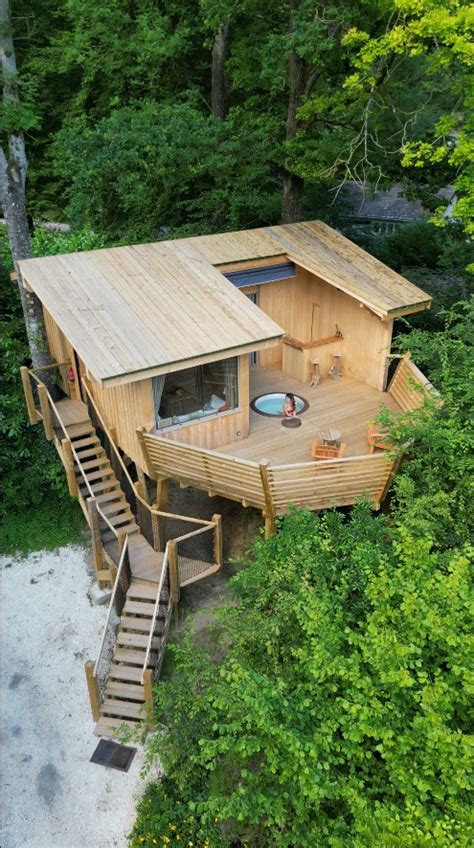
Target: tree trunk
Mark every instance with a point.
(13, 168)
(292, 196)
(218, 82)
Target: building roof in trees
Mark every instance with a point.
(136, 311)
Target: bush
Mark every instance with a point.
(165, 817)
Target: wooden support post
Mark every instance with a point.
(95, 536)
(68, 460)
(93, 689)
(141, 477)
(217, 539)
(148, 692)
(269, 513)
(46, 412)
(174, 578)
(142, 512)
(140, 431)
(158, 524)
(33, 414)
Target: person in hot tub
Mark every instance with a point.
(289, 406)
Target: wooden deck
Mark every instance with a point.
(345, 404)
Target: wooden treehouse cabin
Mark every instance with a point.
(171, 361)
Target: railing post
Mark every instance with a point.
(95, 536)
(148, 693)
(68, 460)
(93, 689)
(269, 513)
(217, 539)
(46, 411)
(33, 414)
(174, 578)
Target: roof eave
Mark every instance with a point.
(180, 365)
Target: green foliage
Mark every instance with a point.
(337, 710)
(52, 522)
(126, 89)
(33, 481)
(442, 32)
(165, 817)
(134, 173)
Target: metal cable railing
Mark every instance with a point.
(102, 663)
(164, 573)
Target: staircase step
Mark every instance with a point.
(95, 450)
(85, 442)
(114, 507)
(125, 709)
(125, 672)
(107, 727)
(102, 473)
(111, 483)
(133, 658)
(116, 689)
(141, 608)
(129, 528)
(136, 640)
(95, 463)
(141, 625)
(143, 592)
(110, 496)
(76, 430)
(123, 518)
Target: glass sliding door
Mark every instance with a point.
(196, 393)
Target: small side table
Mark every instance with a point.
(330, 436)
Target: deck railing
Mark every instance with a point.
(272, 488)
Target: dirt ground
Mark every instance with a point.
(53, 797)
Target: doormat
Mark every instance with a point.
(291, 422)
(112, 755)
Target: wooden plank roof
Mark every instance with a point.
(327, 254)
(133, 312)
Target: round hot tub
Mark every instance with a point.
(271, 404)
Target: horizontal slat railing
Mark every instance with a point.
(409, 387)
(315, 485)
(214, 472)
(340, 482)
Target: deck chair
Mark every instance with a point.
(321, 451)
(376, 438)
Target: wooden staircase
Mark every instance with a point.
(124, 697)
(121, 700)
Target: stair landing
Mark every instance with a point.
(72, 412)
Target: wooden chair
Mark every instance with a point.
(321, 451)
(376, 438)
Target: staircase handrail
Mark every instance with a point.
(164, 571)
(136, 493)
(74, 453)
(111, 602)
(46, 367)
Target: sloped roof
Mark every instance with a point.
(136, 311)
(391, 204)
(327, 254)
(132, 312)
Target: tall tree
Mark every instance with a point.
(13, 169)
(219, 86)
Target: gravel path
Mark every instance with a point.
(53, 797)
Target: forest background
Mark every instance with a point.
(147, 120)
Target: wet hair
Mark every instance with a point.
(291, 396)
